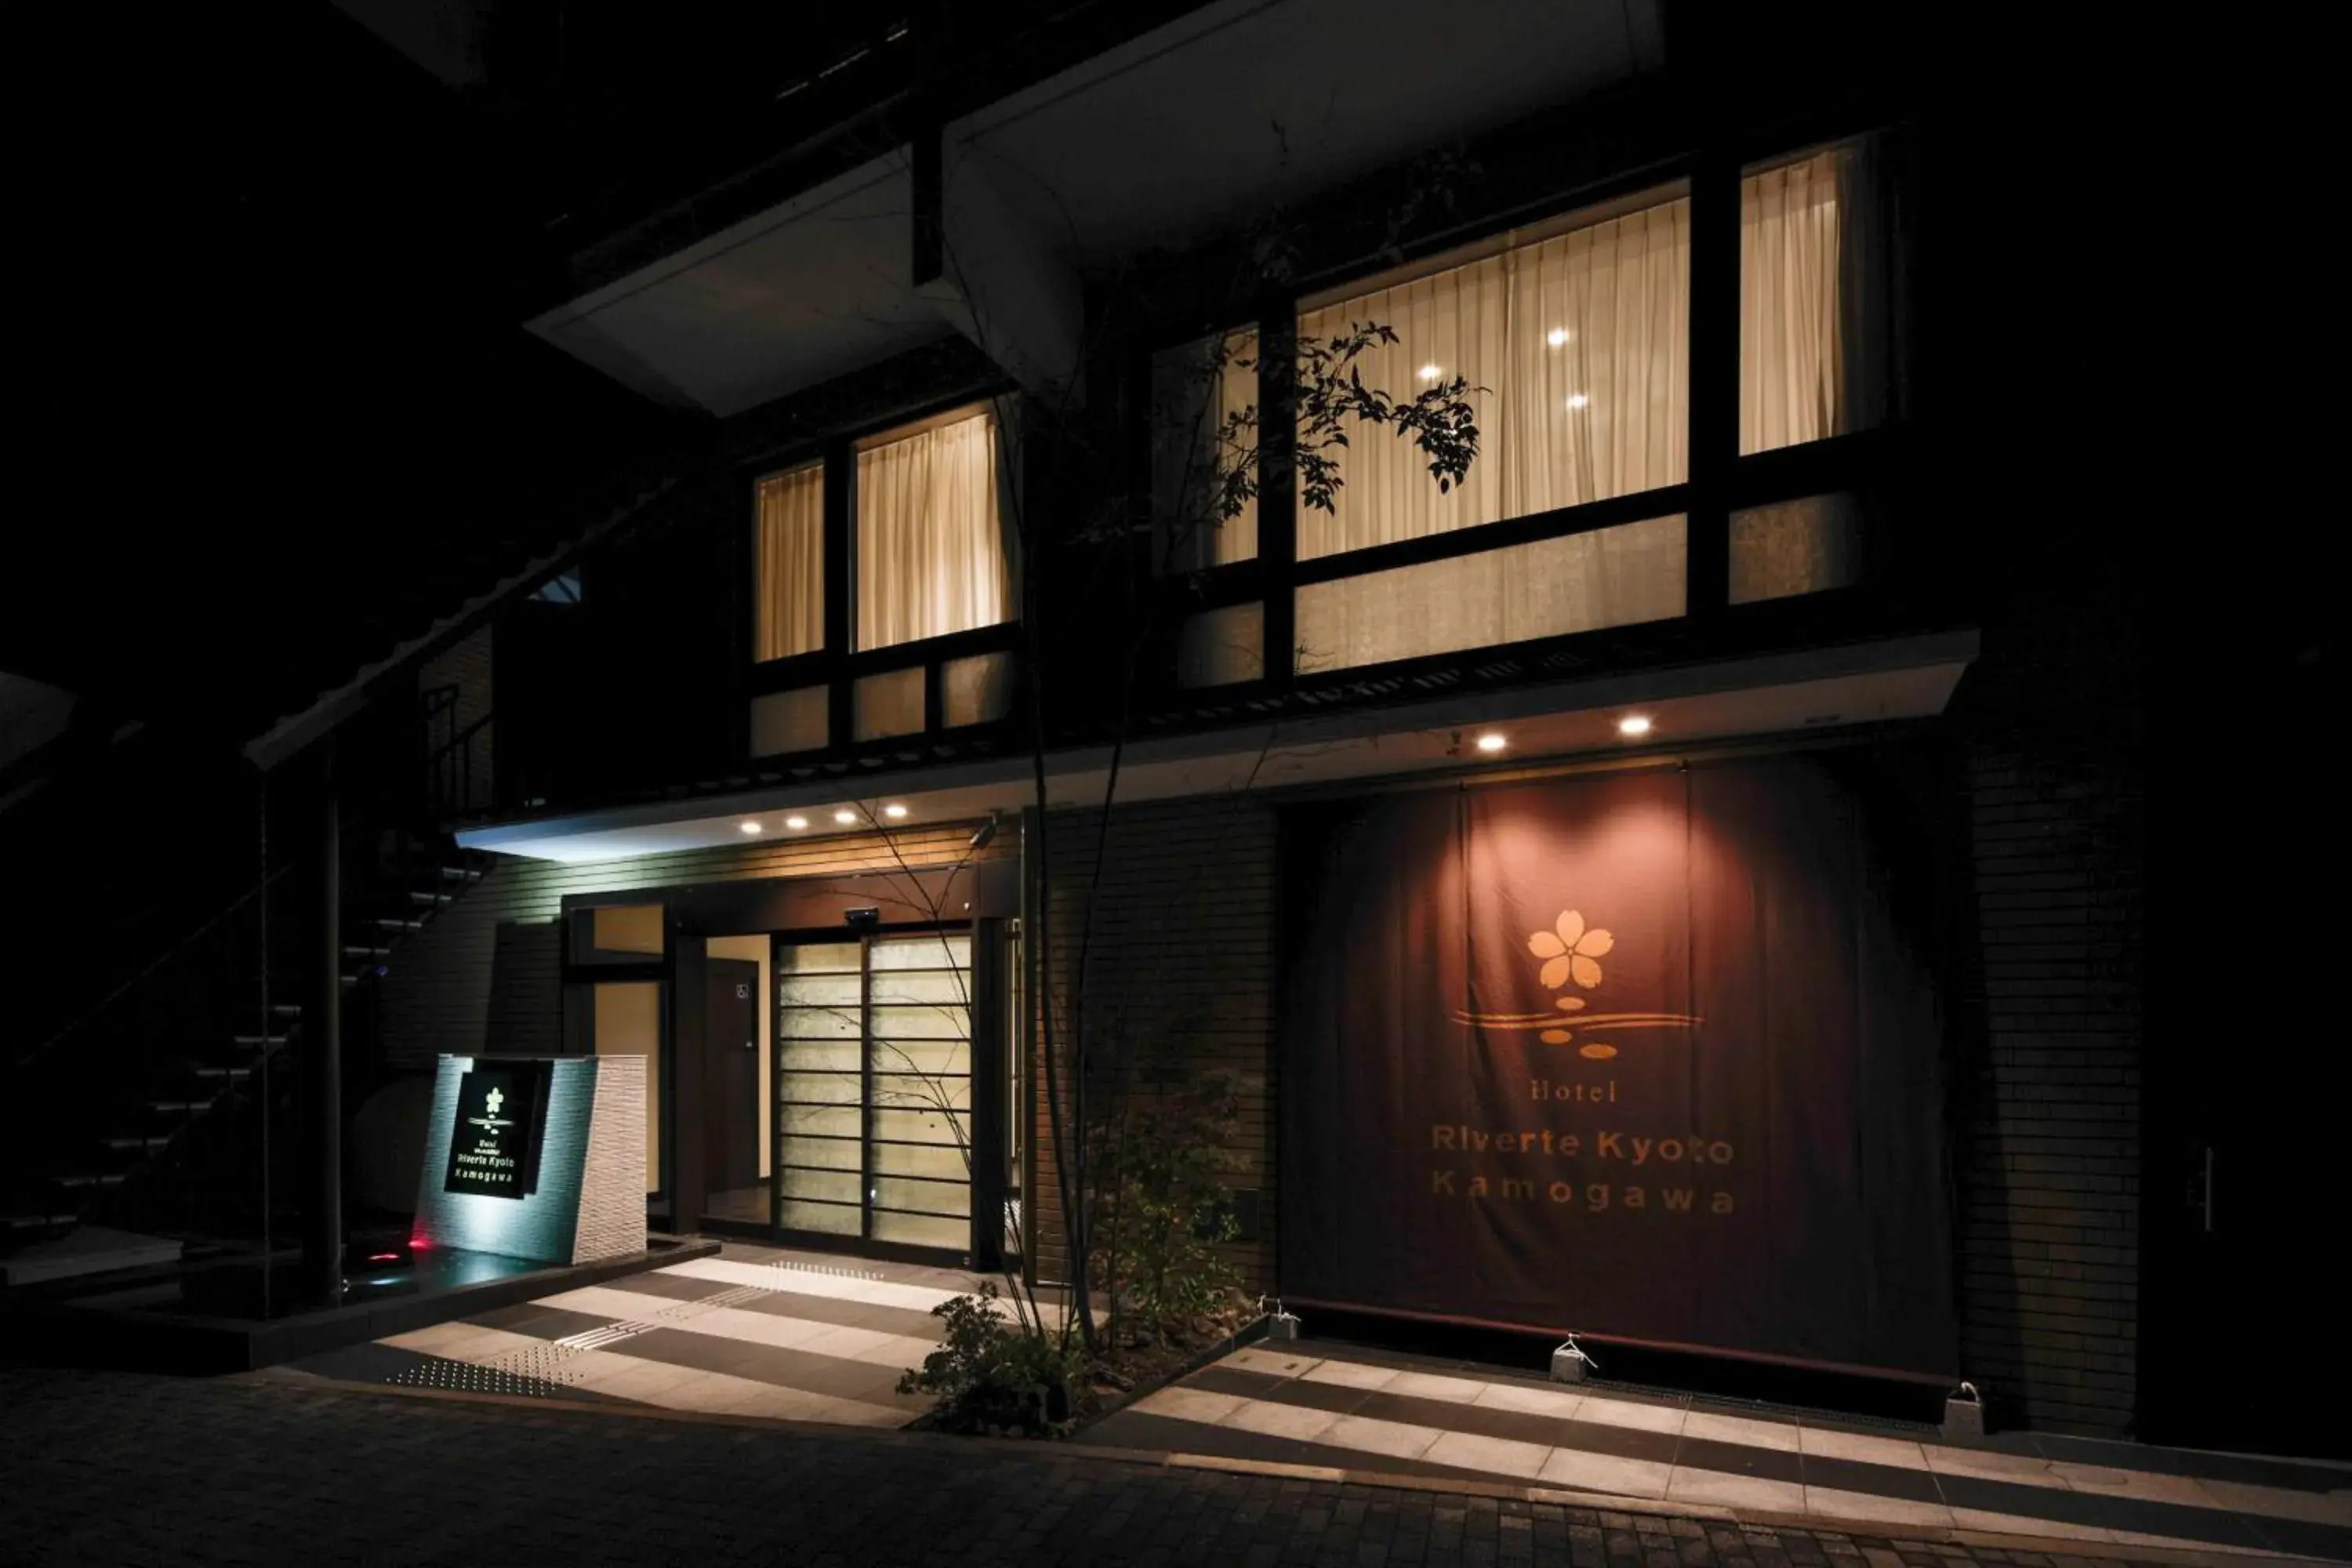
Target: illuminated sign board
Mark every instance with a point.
(494, 1145)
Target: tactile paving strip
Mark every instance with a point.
(536, 1372)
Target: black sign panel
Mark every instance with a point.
(494, 1145)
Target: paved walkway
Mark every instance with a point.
(1347, 1409)
(121, 1469)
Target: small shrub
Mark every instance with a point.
(990, 1373)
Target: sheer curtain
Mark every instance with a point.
(931, 549)
(1818, 356)
(789, 566)
(1581, 344)
(1195, 389)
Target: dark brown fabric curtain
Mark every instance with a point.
(1655, 1055)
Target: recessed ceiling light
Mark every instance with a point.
(1492, 741)
(796, 823)
(1577, 400)
(844, 816)
(1556, 336)
(1429, 373)
(748, 826)
(1633, 724)
(894, 811)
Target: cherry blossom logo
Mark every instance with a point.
(1571, 952)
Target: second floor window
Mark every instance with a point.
(788, 566)
(930, 539)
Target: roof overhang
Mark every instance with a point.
(1780, 694)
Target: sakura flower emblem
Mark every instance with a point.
(1571, 951)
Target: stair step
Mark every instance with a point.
(37, 1221)
(419, 896)
(268, 1041)
(398, 923)
(354, 951)
(138, 1142)
(92, 1179)
(460, 874)
(286, 1009)
(179, 1107)
(232, 1075)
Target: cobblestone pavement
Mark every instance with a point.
(101, 1468)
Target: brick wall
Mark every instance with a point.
(1179, 958)
(2048, 1098)
(486, 975)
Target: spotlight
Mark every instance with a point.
(894, 811)
(748, 826)
(1492, 741)
(796, 823)
(1556, 336)
(1575, 401)
(1429, 373)
(1633, 724)
(844, 816)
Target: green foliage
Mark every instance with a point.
(990, 1373)
(1161, 1208)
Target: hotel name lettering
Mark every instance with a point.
(493, 1142)
(1598, 1168)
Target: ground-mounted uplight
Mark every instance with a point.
(844, 816)
(748, 826)
(1633, 724)
(894, 811)
(1492, 741)
(796, 823)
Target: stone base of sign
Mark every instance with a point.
(589, 1199)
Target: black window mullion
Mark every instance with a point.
(1277, 495)
(1714, 411)
(865, 1086)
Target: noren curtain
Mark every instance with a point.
(1818, 353)
(789, 565)
(930, 547)
(1576, 348)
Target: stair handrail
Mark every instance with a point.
(168, 955)
(460, 747)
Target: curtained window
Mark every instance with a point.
(788, 568)
(1198, 390)
(931, 546)
(1576, 348)
(1818, 352)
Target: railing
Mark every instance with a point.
(458, 776)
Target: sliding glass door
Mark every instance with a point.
(873, 1084)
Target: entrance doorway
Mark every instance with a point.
(731, 1093)
(873, 1090)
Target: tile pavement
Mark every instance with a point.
(108, 1468)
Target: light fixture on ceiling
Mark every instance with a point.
(1577, 400)
(894, 811)
(844, 816)
(1556, 336)
(1492, 740)
(1429, 373)
(796, 823)
(748, 826)
(1633, 724)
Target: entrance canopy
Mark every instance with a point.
(1817, 690)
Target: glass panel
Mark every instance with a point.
(946, 1163)
(822, 1056)
(1217, 648)
(926, 1197)
(922, 1230)
(1576, 348)
(797, 989)
(922, 1127)
(825, 1154)
(949, 986)
(919, 1091)
(887, 704)
(822, 958)
(975, 690)
(925, 1022)
(837, 1021)
(788, 566)
(1608, 577)
(794, 1122)
(933, 950)
(819, 1087)
(832, 1187)
(838, 1219)
(1819, 349)
(1203, 428)
(921, 1056)
(797, 721)
(1795, 547)
(930, 556)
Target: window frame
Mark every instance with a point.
(838, 664)
(1718, 479)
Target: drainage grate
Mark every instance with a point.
(829, 1268)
